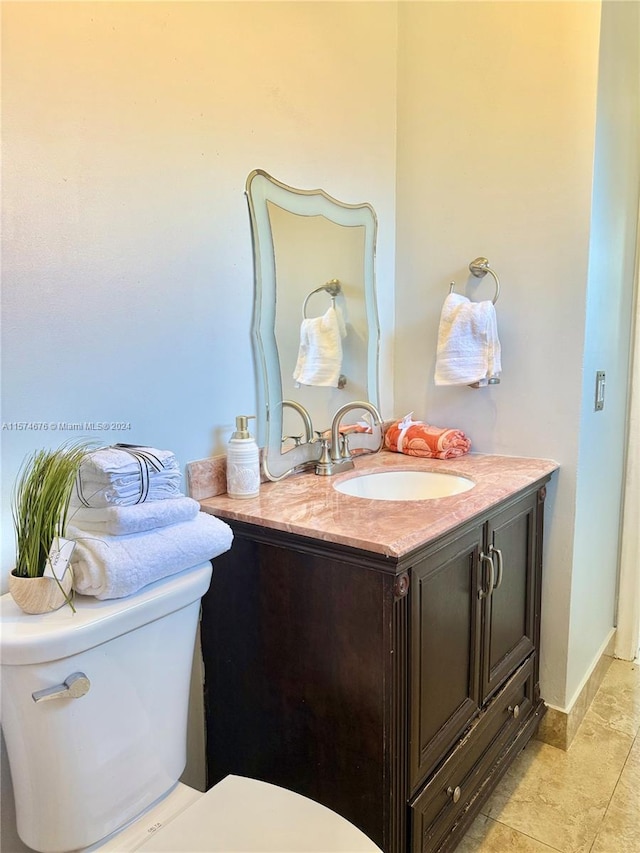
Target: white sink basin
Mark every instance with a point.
(404, 485)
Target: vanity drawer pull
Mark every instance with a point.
(514, 710)
(454, 793)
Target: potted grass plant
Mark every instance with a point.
(42, 578)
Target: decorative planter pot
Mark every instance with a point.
(40, 595)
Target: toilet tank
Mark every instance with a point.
(82, 768)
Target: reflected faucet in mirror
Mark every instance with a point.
(306, 419)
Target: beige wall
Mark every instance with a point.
(129, 130)
(496, 160)
(497, 106)
(601, 460)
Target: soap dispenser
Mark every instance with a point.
(243, 462)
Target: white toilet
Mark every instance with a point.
(94, 713)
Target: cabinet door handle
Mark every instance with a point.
(498, 553)
(485, 593)
(514, 710)
(454, 793)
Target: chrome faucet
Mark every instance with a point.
(337, 457)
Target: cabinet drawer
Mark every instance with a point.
(455, 785)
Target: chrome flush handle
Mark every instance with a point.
(75, 686)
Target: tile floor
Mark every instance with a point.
(584, 800)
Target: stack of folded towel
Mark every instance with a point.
(132, 525)
(125, 474)
(415, 438)
(468, 349)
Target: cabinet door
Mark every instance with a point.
(509, 609)
(444, 645)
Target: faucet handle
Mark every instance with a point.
(345, 453)
(324, 465)
(325, 455)
(323, 438)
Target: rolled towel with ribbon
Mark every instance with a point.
(416, 438)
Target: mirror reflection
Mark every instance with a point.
(310, 250)
(315, 327)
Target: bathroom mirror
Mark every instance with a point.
(314, 258)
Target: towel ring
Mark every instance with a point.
(332, 287)
(480, 267)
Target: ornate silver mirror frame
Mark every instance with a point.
(270, 203)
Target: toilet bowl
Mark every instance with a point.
(238, 815)
(95, 765)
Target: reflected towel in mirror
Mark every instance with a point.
(320, 354)
(468, 347)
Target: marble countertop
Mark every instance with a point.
(308, 505)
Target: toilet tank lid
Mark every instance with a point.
(27, 639)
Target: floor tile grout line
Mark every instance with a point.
(615, 787)
(527, 835)
(605, 812)
(607, 724)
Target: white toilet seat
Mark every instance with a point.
(240, 815)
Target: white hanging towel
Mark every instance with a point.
(320, 354)
(468, 346)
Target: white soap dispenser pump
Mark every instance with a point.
(243, 462)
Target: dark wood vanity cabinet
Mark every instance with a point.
(394, 691)
(474, 668)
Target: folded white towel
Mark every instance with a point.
(320, 354)
(125, 475)
(124, 459)
(88, 493)
(114, 566)
(468, 346)
(121, 520)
